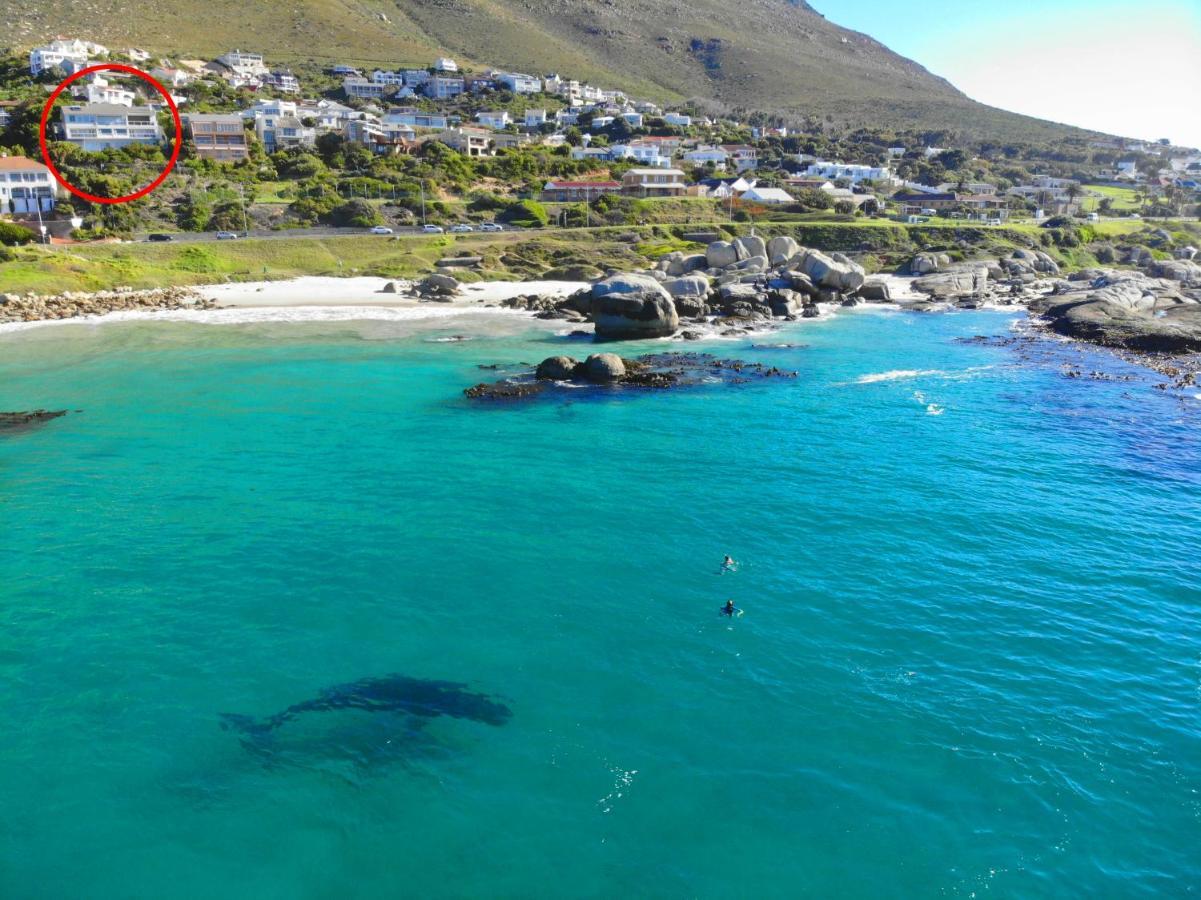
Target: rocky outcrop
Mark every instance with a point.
(835, 273)
(721, 254)
(1127, 310)
(556, 368)
(629, 307)
(38, 307)
(608, 370)
(928, 263)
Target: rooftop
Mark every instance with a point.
(20, 164)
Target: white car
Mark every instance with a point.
(433, 229)
(382, 229)
(461, 228)
(491, 226)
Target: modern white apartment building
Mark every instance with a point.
(101, 126)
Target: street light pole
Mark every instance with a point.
(245, 222)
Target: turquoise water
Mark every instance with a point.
(970, 663)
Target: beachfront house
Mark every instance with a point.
(60, 53)
(642, 182)
(221, 138)
(104, 126)
(578, 191)
(26, 186)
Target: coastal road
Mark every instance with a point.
(196, 237)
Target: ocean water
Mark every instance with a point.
(969, 664)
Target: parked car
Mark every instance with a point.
(160, 237)
(433, 229)
(382, 229)
(461, 228)
(491, 226)
(227, 235)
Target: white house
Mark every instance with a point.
(397, 79)
(56, 53)
(633, 119)
(283, 81)
(704, 155)
(249, 65)
(100, 126)
(835, 171)
(768, 195)
(407, 115)
(645, 154)
(445, 64)
(677, 119)
(535, 118)
(172, 78)
(98, 90)
(519, 83)
(497, 119)
(26, 186)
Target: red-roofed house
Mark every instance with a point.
(573, 191)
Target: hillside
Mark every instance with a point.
(775, 56)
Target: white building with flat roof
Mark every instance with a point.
(104, 126)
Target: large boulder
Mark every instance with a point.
(926, 263)
(752, 264)
(965, 282)
(688, 286)
(682, 265)
(781, 249)
(556, 368)
(691, 307)
(438, 285)
(876, 292)
(604, 368)
(785, 302)
(721, 255)
(749, 246)
(627, 283)
(628, 307)
(827, 272)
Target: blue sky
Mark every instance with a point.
(1121, 66)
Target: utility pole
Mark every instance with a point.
(245, 220)
(421, 184)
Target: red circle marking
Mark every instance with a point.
(113, 67)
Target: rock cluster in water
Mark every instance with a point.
(38, 307)
(19, 421)
(654, 371)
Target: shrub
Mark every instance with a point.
(354, 214)
(15, 235)
(526, 214)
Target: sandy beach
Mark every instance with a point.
(368, 292)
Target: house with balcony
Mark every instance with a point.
(104, 126)
(469, 141)
(677, 119)
(408, 115)
(852, 174)
(642, 182)
(444, 87)
(217, 137)
(535, 118)
(248, 65)
(26, 186)
(283, 81)
(445, 64)
(704, 155)
(100, 90)
(357, 86)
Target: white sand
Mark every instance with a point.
(368, 292)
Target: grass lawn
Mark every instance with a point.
(1124, 199)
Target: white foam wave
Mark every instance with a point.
(897, 375)
(276, 314)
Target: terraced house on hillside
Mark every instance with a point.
(216, 137)
(101, 126)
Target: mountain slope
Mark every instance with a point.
(776, 56)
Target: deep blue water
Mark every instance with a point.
(969, 665)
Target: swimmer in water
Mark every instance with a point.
(729, 609)
(728, 564)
